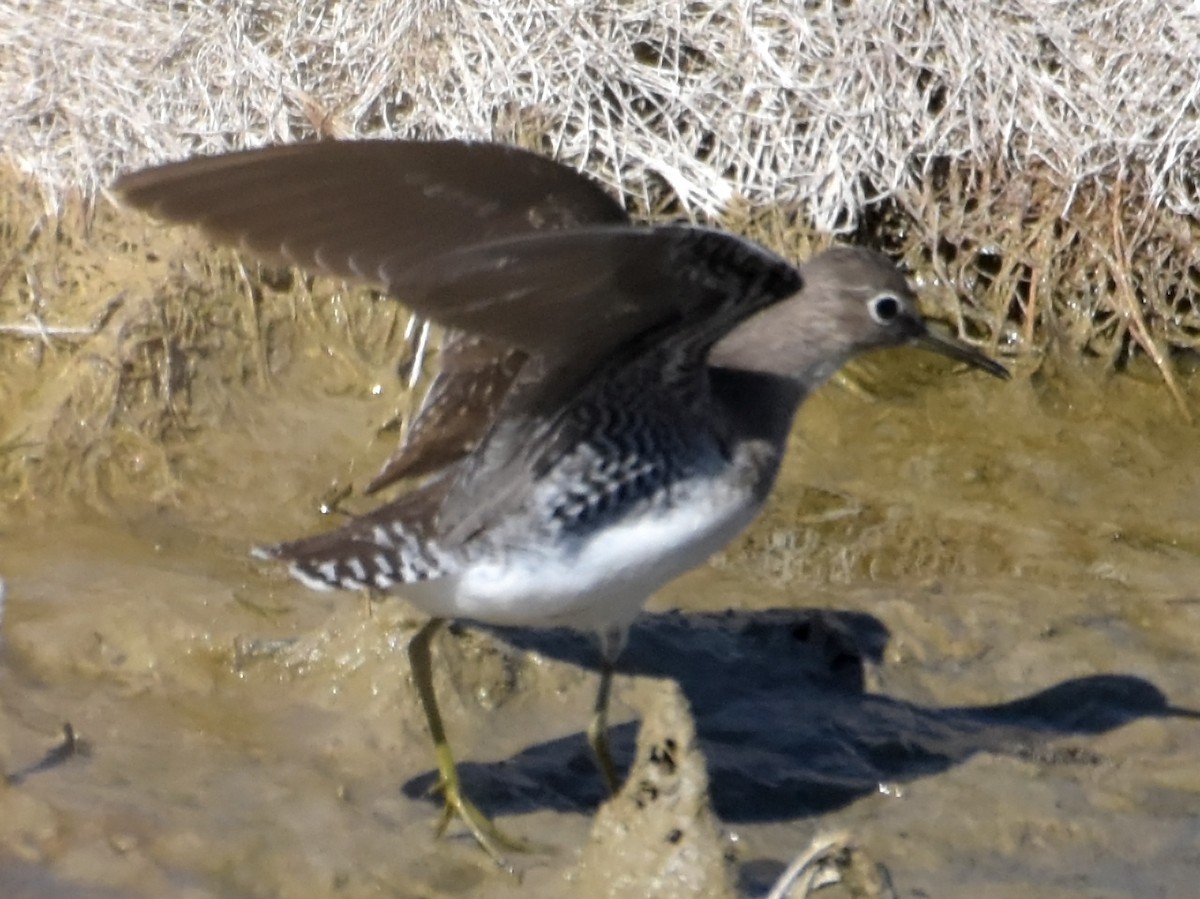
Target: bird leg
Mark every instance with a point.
(491, 838)
(612, 642)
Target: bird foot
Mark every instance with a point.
(491, 839)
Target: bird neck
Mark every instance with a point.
(756, 410)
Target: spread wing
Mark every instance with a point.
(501, 243)
(364, 209)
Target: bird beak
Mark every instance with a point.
(953, 348)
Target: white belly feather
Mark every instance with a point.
(597, 581)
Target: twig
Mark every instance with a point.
(813, 868)
(830, 859)
(250, 292)
(39, 330)
(1131, 311)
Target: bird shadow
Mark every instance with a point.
(784, 720)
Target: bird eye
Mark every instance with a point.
(884, 308)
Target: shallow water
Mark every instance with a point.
(967, 630)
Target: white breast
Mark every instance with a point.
(594, 582)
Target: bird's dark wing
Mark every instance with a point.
(455, 230)
(346, 207)
(493, 240)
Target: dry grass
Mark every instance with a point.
(831, 106)
(833, 109)
(986, 129)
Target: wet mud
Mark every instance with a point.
(965, 634)
(967, 631)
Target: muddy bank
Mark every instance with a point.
(967, 631)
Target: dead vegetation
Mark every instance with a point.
(122, 340)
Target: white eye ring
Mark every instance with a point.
(885, 308)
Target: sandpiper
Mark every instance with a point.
(615, 398)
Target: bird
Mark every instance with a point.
(614, 401)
